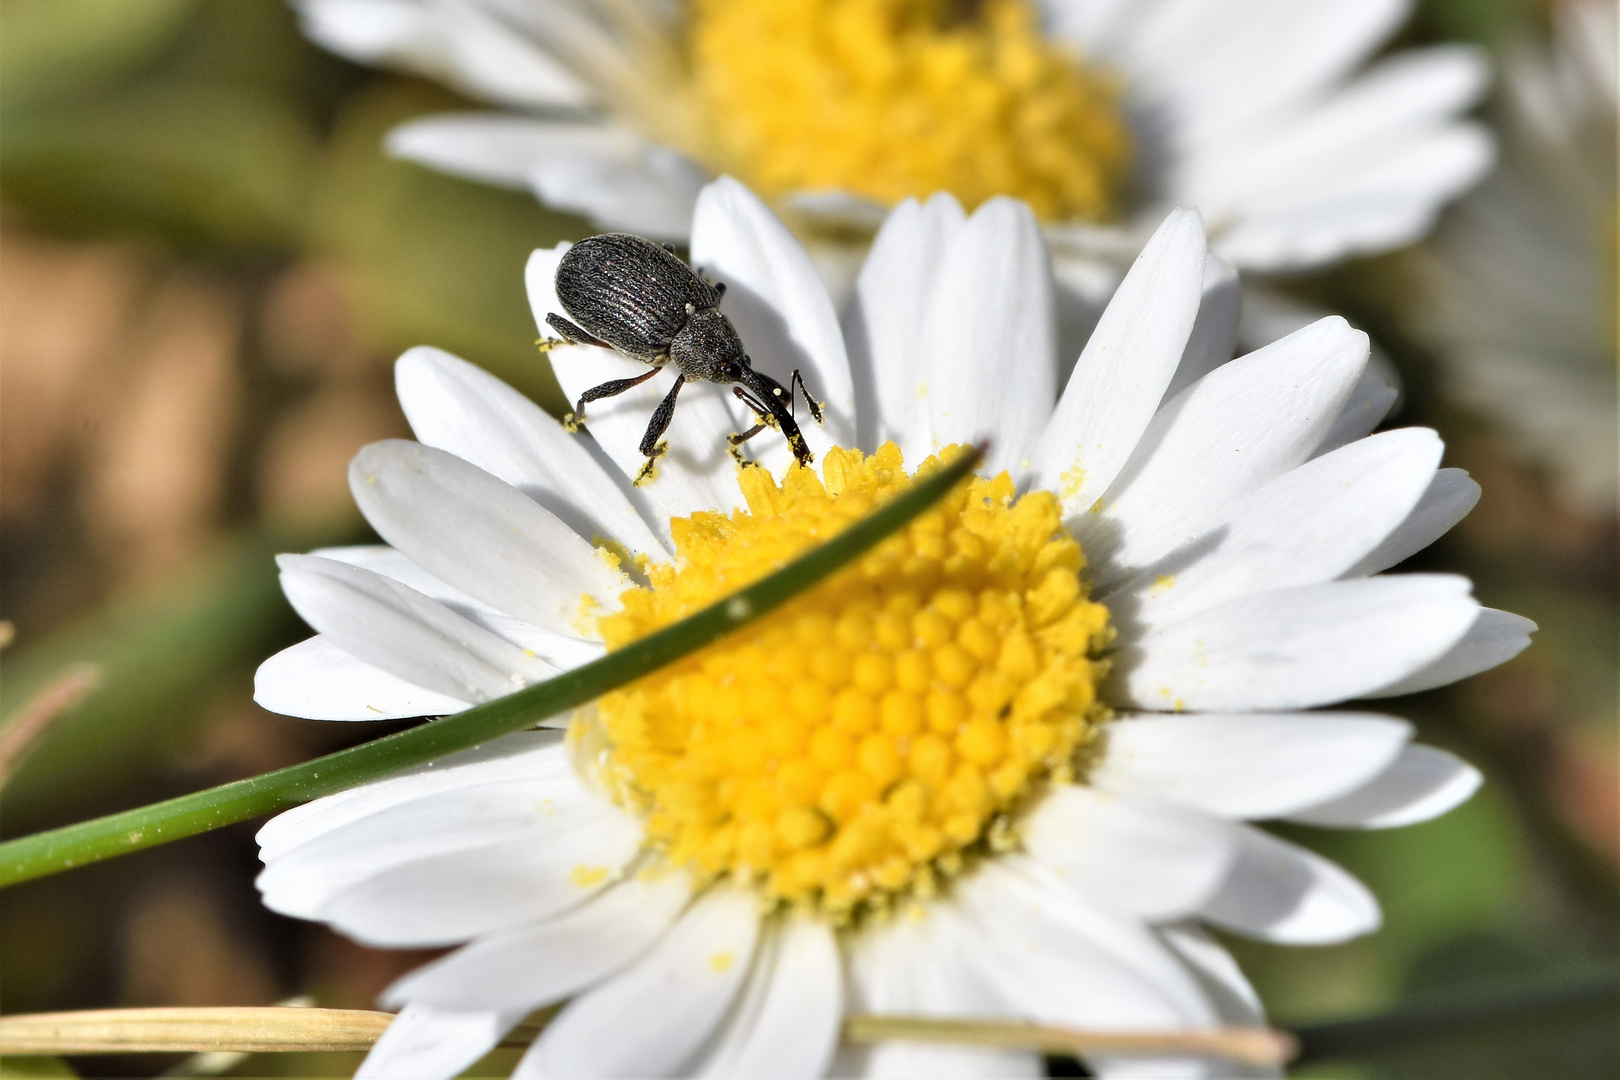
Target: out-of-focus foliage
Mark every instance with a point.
(220, 165)
(67, 48)
(160, 651)
(431, 258)
(209, 264)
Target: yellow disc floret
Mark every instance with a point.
(894, 98)
(864, 738)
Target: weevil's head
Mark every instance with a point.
(708, 347)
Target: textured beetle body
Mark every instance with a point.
(639, 299)
(636, 296)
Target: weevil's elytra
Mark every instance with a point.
(639, 299)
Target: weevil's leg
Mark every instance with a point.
(572, 420)
(650, 446)
(761, 411)
(735, 441)
(761, 415)
(797, 383)
(738, 438)
(571, 335)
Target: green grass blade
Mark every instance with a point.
(50, 852)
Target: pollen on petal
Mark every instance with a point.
(587, 877)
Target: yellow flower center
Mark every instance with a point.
(893, 98)
(863, 739)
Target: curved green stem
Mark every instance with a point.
(91, 841)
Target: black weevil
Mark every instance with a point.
(638, 298)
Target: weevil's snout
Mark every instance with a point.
(708, 347)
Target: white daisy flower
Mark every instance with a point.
(1002, 767)
(1522, 308)
(1266, 115)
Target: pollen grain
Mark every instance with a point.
(860, 741)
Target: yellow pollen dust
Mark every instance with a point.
(894, 98)
(861, 740)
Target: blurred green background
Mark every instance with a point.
(206, 268)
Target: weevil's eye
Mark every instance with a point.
(731, 371)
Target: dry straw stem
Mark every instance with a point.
(23, 730)
(270, 1029)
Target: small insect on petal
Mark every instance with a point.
(639, 299)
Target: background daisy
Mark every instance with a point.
(1267, 117)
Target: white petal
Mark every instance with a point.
(1257, 766)
(697, 473)
(404, 633)
(1093, 25)
(524, 754)
(384, 560)
(465, 410)
(1495, 638)
(1213, 340)
(491, 59)
(502, 148)
(648, 1019)
(1230, 991)
(989, 339)
(457, 43)
(785, 1021)
(456, 896)
(1142, 857)
(1389, 201)
(1168, 47)
(1307, 526)
(300, 880)
(883, 329)
(539, 963)
(1133, 1067)
(928, 960)
(1281, 893)
(319, 681)
(482, 536)
(648, 189)
(368, 31)
(1414, 91)
(471, 816)
(1297, 648)
(1374, 396)
(1125, 367)
(1449, 498)
(1061, 960)
(1241, 425)
(1422, 783)
(429, 1043)
(1268, 65)
(779, 306)
(561, 650)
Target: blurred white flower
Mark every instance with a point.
(1265, 115)
(1522, 307)
(979, 774)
